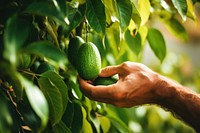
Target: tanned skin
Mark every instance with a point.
(139, 85)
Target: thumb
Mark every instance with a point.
(109, 71)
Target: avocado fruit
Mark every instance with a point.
(105, 80)
(89, 61)
(73, 46)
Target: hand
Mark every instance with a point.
(136, 86)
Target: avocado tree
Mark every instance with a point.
(39, 91)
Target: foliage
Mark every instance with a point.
(37, 32)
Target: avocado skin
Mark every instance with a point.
(89, 61)
(73, 46)
(104, 81)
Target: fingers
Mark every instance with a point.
(109, 71)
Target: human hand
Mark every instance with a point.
(136, 85)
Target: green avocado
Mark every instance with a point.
(74, 44)
(89, 61)
(105, 81)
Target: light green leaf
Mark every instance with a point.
(86, 125)
(47, 50)
(95, 14)
(157, 43)
(191, 12)
(61, 128)
(16, 33)
(181, 6)
(57, 81)
(124, 9)
(134, 42)
(105, 123)
(144, 10)
(50, 9)
(177, 29)
(36, 99)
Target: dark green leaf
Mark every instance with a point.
(36, 99)
(95, 14)
(124, 9)
(50, 9)
(134, 42)
(136, 16)
(16, 33)
(177, 29)
(61, 128)
(157, 43)
(58, 83)
(75, 16)
(181, 6)
(5, 118)
(46, 49)
(54, 98)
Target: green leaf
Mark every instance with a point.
(105, 123)
(95, 14)
(157, 43)
(87, 128)
(116, 122)
(53, 94)
(50, 9)
(57, 81)
(144, 10)
(75, 16)
(46, 49)
(124, 9)
(136, 16)
(5, 118)
(177, 29)
(16, 33)
(61, 128)
(134, 42)
(181, 6)
(36, 99)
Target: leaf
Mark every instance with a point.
(52, 9)
(144, 10)
(55, 92)
(134, 42)
(5, 118)
(124, 9)
(61, 128)
(116, 122)
(157, 43)
(57, 81)
(177, 29)
(105, 123)
(46, 49)
(95, 14)
(136, 16)
(16, 33)
(181, 6)
(37, 100)
(75, 16)
(86, 125)
(191, 11)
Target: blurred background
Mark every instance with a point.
(182, 64)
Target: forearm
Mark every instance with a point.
(184, 103)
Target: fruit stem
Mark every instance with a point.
(87, 30)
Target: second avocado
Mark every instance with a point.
(89, 60)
